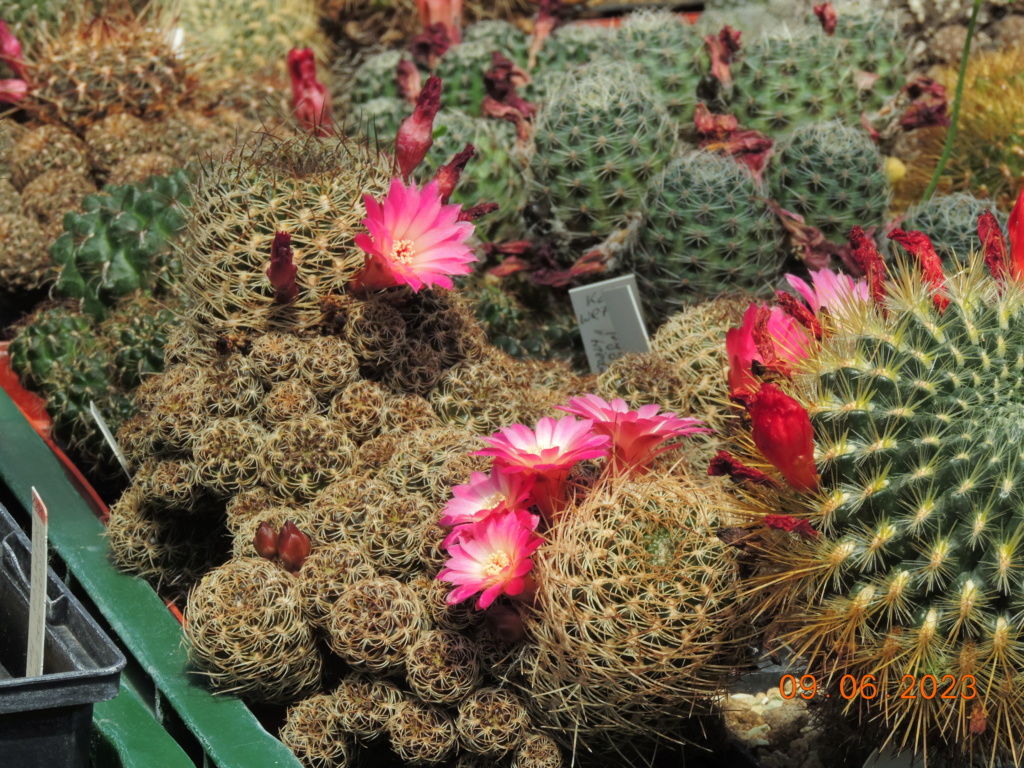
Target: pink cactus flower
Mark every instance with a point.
(546, 455)
(414, 239)
(791, 341)
(485, 495)
(829, 289)
(637, 436)
(492, 560)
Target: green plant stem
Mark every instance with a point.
(951, 135)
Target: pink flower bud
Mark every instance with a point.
(13, 91)
(310, 98)
(265, 541)
(409, 81)
(782, 432)
(10, 51)
(416, 133)
(293, 547)
(448, 175)
(282, 270)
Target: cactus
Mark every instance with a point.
(245, 37)
(462, 69)
(244, 614)
(599, 141)
(49, 196)
(374, 78)
(950, 221)
(114, 61)
(135, 333)
(669, 53)
(25, 262)
(791, 78)
(378, 119)
(911, 539)
(622, 546)
(500, 36)
(708, 231)
(832, 175)
(258, 191)
(46, 148)
(121, 242)
(870, 41)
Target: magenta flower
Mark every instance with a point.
(546, 455)
(414, 239)
(637, 436)
(789, 339)
(492, 559)
(484, 495)
(829, 289)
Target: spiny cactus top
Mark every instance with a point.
(914, 564)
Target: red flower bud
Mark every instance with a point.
(416, 133)
(993, 245)
(782, 432)
(1017, 239)
(292, 547)
(265, 541)
(282, 269)
(310, 98)
(827, 16)
(920, 245)
(474, 212)
(448, 175)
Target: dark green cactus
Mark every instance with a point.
(832, 175)
(119, 244)
(599, 141)
(708, 231)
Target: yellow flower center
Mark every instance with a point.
(496, 563)
(492, 501)
(403, 252)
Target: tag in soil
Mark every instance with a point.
(610, 320)
(37, 589)
(109, 437)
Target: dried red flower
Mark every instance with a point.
(827, 16)
(920, 245)
(866, 254)
(448, 175)
(724, 464)
(791, 524)
(993, 245)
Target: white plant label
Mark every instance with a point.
(610, 320)
(37, 589)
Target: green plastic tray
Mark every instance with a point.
(228, 733)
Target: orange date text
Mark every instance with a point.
(866, 687)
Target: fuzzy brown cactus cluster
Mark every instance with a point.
(292, 461)
(110, 100)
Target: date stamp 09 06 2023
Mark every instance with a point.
(866, 687)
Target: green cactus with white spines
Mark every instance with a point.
(375, 78)
(914, 570)
(135, 333)
(788, 79)
(493, 175)
(599, 140)
(378, 119)
(669, 53)
(120, 243)
(870, 42)
(708, 231)
(832, 175)
(951, 222)
(500, 36)
(462, 69)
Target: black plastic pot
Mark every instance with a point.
(46, 721)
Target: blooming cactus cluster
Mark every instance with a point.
(495, 530)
